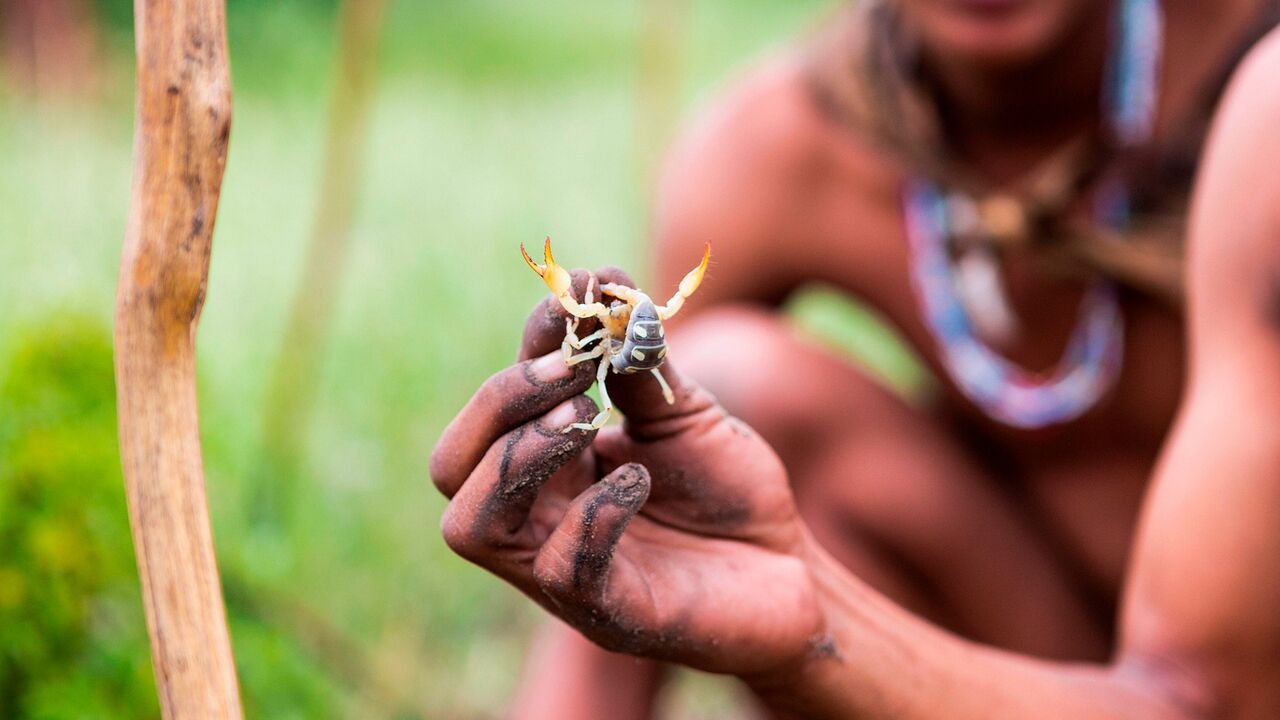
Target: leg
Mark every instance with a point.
(592, 354)
(891, 493)
(573, 342)
(622, 292)
(606, 404)
(578, 343)
(666, 389)
(566, 677)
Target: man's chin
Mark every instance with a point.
(995, 33)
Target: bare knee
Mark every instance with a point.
(735, 352)
(794, 392)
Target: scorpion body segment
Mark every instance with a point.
(645, 345)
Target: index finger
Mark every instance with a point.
(544, 330)
(648, 414)
(506, 400)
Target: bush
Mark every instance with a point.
(73, 639)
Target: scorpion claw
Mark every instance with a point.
(532, 265)
(688, 285)
(556, 277)
(694, 278)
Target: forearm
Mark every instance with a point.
(879, 661)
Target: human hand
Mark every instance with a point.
(674, 536)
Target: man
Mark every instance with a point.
(1026, 552)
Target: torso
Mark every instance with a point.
(1084, 479)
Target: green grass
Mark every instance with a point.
(494, 123)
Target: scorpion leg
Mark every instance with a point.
(597, 335)
(666, 389)
(571, 334)
(607, 404)
(592, 354)
(570, 338)
(626, 294)
(573, 342)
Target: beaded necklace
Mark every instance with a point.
(1091, 362)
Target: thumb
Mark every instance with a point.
(648, 414)
(640, 397)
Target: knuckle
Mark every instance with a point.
(612, 638)
(553, 573)
(442, 471)
(457, 534)
(493, 390)
(615, 274)
(577, 583)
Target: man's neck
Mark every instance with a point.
(1004, 120)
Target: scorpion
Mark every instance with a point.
(631, 338)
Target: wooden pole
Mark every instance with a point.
(296, 373)
(663, 30)
(180, 150)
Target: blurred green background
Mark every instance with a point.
(493, 122)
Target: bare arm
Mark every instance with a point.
(1200, 627)
(676, 537)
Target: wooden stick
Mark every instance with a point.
(180, 149)
(663, 34)
(295, 376)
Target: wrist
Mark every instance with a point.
(813, 683)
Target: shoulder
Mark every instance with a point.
(1243, 149)
(1253, 93)
(757, 167)
(1259, 73)
(770, 137)
(767, 122)
(1234, 255)
(736, 179)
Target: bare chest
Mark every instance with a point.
(1083, 479)
(855, 239)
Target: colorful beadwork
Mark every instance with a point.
(1091, 363)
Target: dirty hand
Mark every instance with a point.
(673, 537)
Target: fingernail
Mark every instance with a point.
(563, 414)
(631, 485)
(550, 367)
